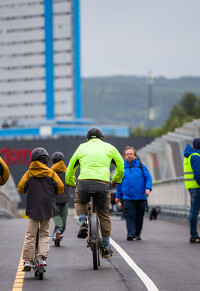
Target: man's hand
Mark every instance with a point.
(113, 184)
(117, 200)
(147, 192)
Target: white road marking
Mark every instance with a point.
(145, 279)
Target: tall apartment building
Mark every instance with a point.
(39, 60)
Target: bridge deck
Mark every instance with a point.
(164, 255)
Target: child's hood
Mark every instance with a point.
(38, 169)
(59, 167)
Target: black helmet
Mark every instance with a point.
(38, 154)
(94, 132)
(57, 156)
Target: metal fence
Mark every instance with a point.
(164, 155)
(164, 159)
(9, 199)
(171, 196)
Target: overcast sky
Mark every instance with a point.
(131, 37)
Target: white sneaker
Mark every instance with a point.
(27, 267)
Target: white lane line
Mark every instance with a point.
(145, 279)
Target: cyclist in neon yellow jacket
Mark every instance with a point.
(94, 158)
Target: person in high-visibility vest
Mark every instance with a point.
(191, 167)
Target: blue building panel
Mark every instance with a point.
(48, 7)
(56, 131)
(77, 74)
(82, 131)
(19, 132)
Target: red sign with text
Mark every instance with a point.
(12, 157)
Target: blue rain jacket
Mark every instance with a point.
(134, 182)
(195, 161)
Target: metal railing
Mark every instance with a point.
(171, 196)
(9, 199)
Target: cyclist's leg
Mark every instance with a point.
(57, 218)
(64, 213)
(44, 235)
(30, 238)
(105, 222)
(81, 208)
(82, 212)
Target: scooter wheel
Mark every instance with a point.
(57, 243)
(40, 276)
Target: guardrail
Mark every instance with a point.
(171, 196)
(9, 199)
(7, 207)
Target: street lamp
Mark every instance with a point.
(151, 114)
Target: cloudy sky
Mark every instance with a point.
(131, 37)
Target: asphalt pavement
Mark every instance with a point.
(164, 256)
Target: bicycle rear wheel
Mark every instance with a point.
(94, 232)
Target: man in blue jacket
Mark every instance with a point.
(133, 191)
(192, 183)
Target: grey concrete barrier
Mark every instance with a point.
(9, 199)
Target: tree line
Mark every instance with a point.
(187, 109)
(123, 100)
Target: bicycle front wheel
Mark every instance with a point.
(95, 241)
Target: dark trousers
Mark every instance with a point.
(102, 201)
(134, 214)
(194, 211)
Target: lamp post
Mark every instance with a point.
(151, 115)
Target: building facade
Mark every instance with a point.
(39, 60)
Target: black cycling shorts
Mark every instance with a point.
(100, 191)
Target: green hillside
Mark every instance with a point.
(122, 100)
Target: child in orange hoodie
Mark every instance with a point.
(41, 184)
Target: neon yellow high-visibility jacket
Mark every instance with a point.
(191, 167)
(94, 158)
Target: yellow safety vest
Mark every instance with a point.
(190, 182)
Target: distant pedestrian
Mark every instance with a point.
(192, 183)
(60, 217)
(133, 191)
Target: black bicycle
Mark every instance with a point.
(94, 240)
(38, 265)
